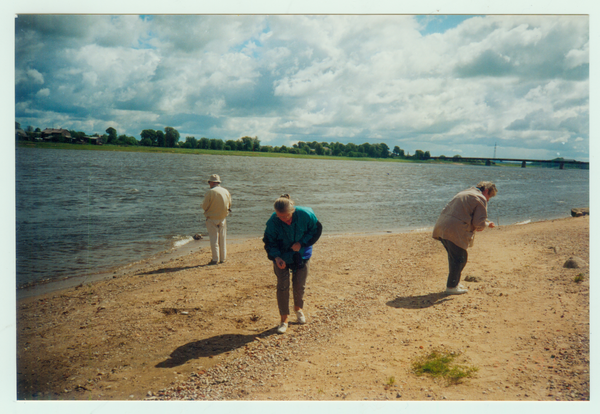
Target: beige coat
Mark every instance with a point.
(462, 216)
(217, 203)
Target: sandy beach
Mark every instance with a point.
(374, 303)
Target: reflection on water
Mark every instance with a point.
(79, 212)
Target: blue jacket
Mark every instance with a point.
(279, 237)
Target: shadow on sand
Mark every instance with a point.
(172, 269)
(210, 347)
(419, 302)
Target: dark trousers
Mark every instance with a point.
(283, 286)
(457, 260)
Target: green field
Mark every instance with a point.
(88, 147)
(47, 145)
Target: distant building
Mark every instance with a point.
(94, 140)
(50, 133)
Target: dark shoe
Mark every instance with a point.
(212, 263)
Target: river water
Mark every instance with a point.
(79, 213)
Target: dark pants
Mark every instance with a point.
(457, 260)
(283, 287)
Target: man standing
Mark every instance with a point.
(217, 205)
(462, 216)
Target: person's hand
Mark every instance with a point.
(280, 263)
(296, 247)
(492, 225)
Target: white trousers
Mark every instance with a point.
(217, 231)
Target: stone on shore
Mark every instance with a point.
(472, 279)
(575, 263)
(579, 212)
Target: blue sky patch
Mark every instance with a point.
(440, 24)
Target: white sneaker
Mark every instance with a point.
(455, 291)
(301, 317)
(282, 328)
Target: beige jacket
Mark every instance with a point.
(217, 203)
(462, 216)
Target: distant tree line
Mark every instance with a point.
(170, 138)
(149, 138)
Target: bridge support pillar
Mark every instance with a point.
(488, 163)
(562, 166)
(523, 164)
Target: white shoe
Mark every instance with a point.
(282, 328)
(455, 291)
(301, 317)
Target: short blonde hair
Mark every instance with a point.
(488, 185)
(284, 204)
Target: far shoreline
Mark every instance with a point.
(165, 150)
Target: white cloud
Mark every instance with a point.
(234, 128)
(115, 67)
(192, 34)
(28, 75)
(578, 57)
(348, 78)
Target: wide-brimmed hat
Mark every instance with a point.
(214, 179)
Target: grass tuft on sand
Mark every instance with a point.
(441, 364)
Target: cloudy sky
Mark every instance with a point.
(448, 84)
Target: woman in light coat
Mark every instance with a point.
(465, 214)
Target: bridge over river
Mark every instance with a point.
(488, 161)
